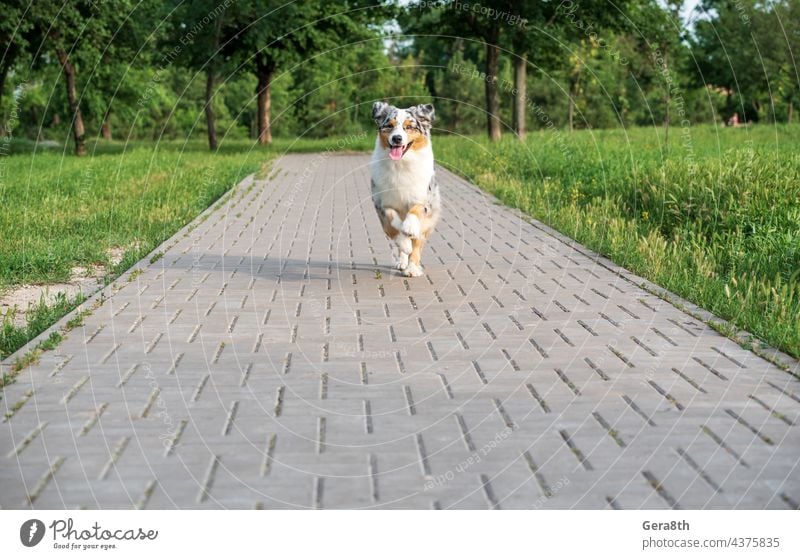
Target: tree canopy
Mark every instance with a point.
(255, 68)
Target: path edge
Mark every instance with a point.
(741, 337)
(96, 299)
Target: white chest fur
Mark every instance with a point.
(401, 184)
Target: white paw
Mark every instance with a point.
(413, 270)
(401, 263)
(410, 226)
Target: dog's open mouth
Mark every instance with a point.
(397, 152)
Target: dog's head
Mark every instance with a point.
(401, 130)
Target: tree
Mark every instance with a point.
(787, 14)
(111, 84)
(457, 19)
(489, 32)
(14, 35)
(659, 31)
(735, 47)
(269, 34)
(530, 33)
(198, 28)
(458, 95)
(586, 26)
(76, 32)
(335, 94)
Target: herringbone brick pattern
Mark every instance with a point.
(272, 358)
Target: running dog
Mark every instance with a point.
(404, 188)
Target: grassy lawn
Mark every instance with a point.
(60, 212)
(714, 216)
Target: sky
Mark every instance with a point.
(687, 14)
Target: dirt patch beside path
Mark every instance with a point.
(19, 300)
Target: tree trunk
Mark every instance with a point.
(8, 61)
(757, 109)
(667, 100)
(211, 118)
(39, 129)
(264, 71)
(574, 82)
(455, 117)
(790, 113)
(78, 130)
(728, 106)
(492, 93)
(211, 77)
(521, 91)
(105, 128)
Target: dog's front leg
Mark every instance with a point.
(414, 268)
(392, 225)
(404, 249)
(412, 224)
(393, 218)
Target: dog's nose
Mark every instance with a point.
(397, 139)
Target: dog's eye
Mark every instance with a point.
(410, 127)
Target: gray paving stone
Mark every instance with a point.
(273, 359)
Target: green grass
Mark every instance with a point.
(38, 318)
(60, 211)
(714, 216)
(30, 358)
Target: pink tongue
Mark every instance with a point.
(396, 152)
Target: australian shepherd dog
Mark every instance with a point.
(404, 188)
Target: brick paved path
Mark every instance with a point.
(272, 358)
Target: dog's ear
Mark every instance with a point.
(379, 112)
(424, 112)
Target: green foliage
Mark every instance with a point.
(749, 50)
(67, 212)
(141, 66)
(341, 85)
(60, 212)
(714, 216)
